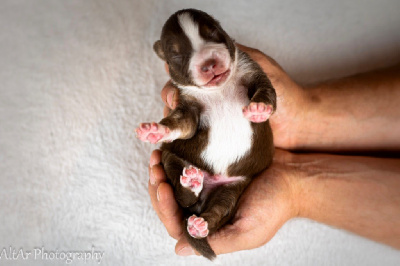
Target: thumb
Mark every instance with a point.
(166, 68)
(169, 95)
(226, 240)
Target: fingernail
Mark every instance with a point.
(152, 162)
(158, 194)
(186, 251)
(152, 179)
(170, 98)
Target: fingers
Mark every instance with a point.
(155, 159)
(162, 197)
(227, 240)
(246, 48)
(170, 213)
(266, 62)
(183, 248)
(169, 95)
(166, 111)
(166, 68)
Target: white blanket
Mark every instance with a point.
(78, 76)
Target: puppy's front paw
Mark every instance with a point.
(197, 227)
(192, 178)
(152, 132)
(257, 112)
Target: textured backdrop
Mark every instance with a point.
(76, 78)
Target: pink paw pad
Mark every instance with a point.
(151, 132)
(197, 227)
(257, 112)
(192, 178)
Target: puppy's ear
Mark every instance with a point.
(158, 49)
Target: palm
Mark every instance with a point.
(266, 199)
(290, 98)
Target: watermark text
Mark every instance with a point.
(12, 253)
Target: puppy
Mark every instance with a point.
(218, 137)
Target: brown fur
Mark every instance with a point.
(216, 206)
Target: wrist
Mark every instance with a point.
(299, 179)
(305, 121)
(291, 182)
(296, 116)
(315, 121)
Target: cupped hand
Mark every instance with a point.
(268, 202)
(287, 120)
(265, 206)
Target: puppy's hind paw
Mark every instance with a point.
(197, 227)
(192, 178)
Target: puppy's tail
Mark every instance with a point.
(199, 244)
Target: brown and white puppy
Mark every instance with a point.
(218, 137)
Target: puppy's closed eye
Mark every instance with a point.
(178, 59)
(176, 56)
(211, 34)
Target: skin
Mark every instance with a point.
(358, 113)
(358, 194)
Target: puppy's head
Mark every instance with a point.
(197, 50)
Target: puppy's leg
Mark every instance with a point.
(258, 112)
(218, 209)
(263, 102)
(261, 94)
(154, 132)
(186, 179)
(181, 123)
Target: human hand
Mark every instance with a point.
(262, 200)
(267, 203)
(291, 98)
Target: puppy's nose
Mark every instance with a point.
(208, 65)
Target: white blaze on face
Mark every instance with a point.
(208, 59)
(191, 29)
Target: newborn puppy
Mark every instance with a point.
(218, 137)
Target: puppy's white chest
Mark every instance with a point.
(230, 133)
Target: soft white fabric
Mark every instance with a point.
(78, 76)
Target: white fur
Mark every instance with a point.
(197, 190)
(202, 50)
(173, 135)
(191, 29)
(209, 50)
(230, 135)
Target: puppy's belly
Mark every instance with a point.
(211, 182)
(230, 137)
